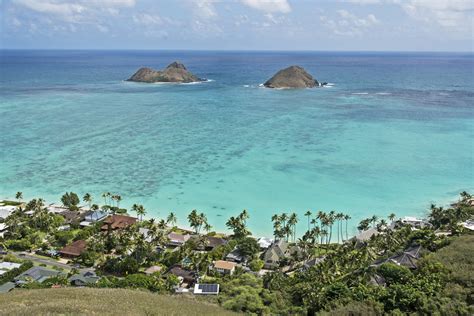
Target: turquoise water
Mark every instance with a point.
(393, 133)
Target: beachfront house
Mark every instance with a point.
(176, 240)
(275, 254)
(37, 274)
(224, 267)
(365, 235)
(73, 250)
(413, 221)
(71, 217)
(117, 222)
(91, 217)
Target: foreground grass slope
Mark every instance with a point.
(88, 301)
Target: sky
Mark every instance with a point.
(347, 25)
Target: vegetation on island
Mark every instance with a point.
(322, 272)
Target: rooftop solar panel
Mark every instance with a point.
(208, 288)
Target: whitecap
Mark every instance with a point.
(360, 93)
(246, 86)
(383, 93)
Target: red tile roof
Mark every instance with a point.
(75, 249)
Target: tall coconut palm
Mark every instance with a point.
(392, 216)
(308, 215)
(172, 219)
(140, 210)
(88, 199)
(374, 220)
(118, 198)
(207, 227)
(104, 196)
(292, 221)
(193, 219)
(19, 196)
(347, 218)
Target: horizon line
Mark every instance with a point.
(235, 50)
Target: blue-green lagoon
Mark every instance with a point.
(392, 132)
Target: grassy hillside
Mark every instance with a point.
(86, 301)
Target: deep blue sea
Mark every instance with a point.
(392, 132)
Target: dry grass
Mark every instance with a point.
(87, 301)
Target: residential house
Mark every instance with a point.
(413, 221)
(187, 277)
(312, 262)
(71, 217)
(115, 222)
(91, 217)
(176, 240)
(153, 269)
(56, 208)
(235, 256)
(408, 258)
(73, 250)
(365, 235)
(37, 274)
(274, 254)
(7, 287)
(84, 278)
(214, 242)
(224, 267)
(468, 224)
(6, 210)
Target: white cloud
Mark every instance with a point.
(204, 8)
(269, 6)
(348, 24)
(147, 19)
(446, 13)
(52, 7)
(75, 11)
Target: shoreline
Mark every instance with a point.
(182, 221)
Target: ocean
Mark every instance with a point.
(391, 133)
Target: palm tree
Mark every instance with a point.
(339, 217)
(244, 216)
(140, 210)
(374, 219)
(19, 196)
(118, 198)
(207, 227)
(172, 219)
(347, 218)
(88, 199)
(308, 214)
(392, 216)
(292, 221)
(193, 219)
(104, 196)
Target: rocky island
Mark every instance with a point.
(292, 77)
(175, 72)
